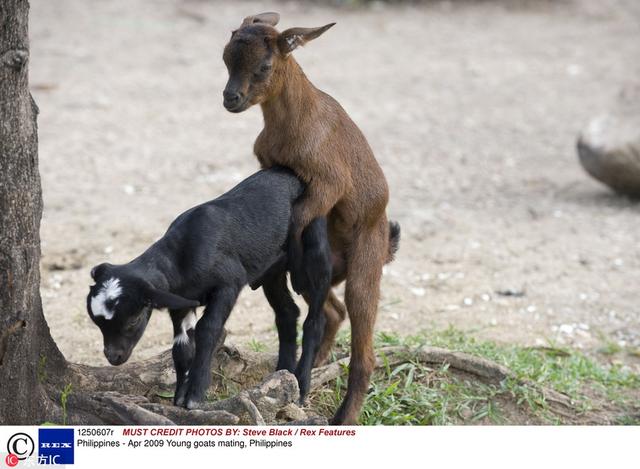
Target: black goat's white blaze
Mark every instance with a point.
(110, 290)
(188, 323)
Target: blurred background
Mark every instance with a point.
(472, 109)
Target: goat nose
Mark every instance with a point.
(114, 356)
(230, 97)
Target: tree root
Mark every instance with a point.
(485, 370)
(131, 394)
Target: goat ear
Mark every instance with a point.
(98, 270)
(269, 17)
(290, 39)
(163, 299)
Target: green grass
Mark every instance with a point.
(257, 346)
(412, 393)
(629, 420)
(64, 397)
(610, 348)
(165, 394)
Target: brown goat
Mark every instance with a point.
(309, 132)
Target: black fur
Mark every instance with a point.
(394, 239)
(208, 254)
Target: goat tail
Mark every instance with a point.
(394, 240)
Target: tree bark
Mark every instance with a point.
(28, 355)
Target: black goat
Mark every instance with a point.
(208, 254)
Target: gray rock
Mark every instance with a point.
(609, 147)
(278, 390)
(262, 404)
(291, 413)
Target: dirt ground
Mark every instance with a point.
(471, 108)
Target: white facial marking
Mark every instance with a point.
(110, 290)
(188, 323)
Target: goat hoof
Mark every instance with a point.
(303, 394)
(179, 401)
(340, 419)
(180, 396)
(288, 365)
(321, 361)
(192, 404)
(335, 421)
(192, 400)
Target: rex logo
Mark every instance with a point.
(55, 446)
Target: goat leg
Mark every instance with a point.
(184, 347)
(208, 331)
(295, 256)
(317, 265)
(287, 312)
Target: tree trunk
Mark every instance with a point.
(28, 354)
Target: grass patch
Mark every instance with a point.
(257, 346)
(414, 394)
(165, 394)
(610, 348)
(64, 397)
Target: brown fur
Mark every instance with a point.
(308, 131)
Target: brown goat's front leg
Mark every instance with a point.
(317, 201)
(364, 270)
(320, 196)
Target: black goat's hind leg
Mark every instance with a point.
(184, 348)
(313, 237)
(299, 280)
(208, 332)
(287, 312)
(317, 267)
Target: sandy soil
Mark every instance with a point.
(472, 109)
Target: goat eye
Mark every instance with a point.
(262, 73)
(135, 322)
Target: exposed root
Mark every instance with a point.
(267, 403)
(477, 366)
(192, 417)
(112, 408)
(274, 400)
(485, 370)
(252, 410)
